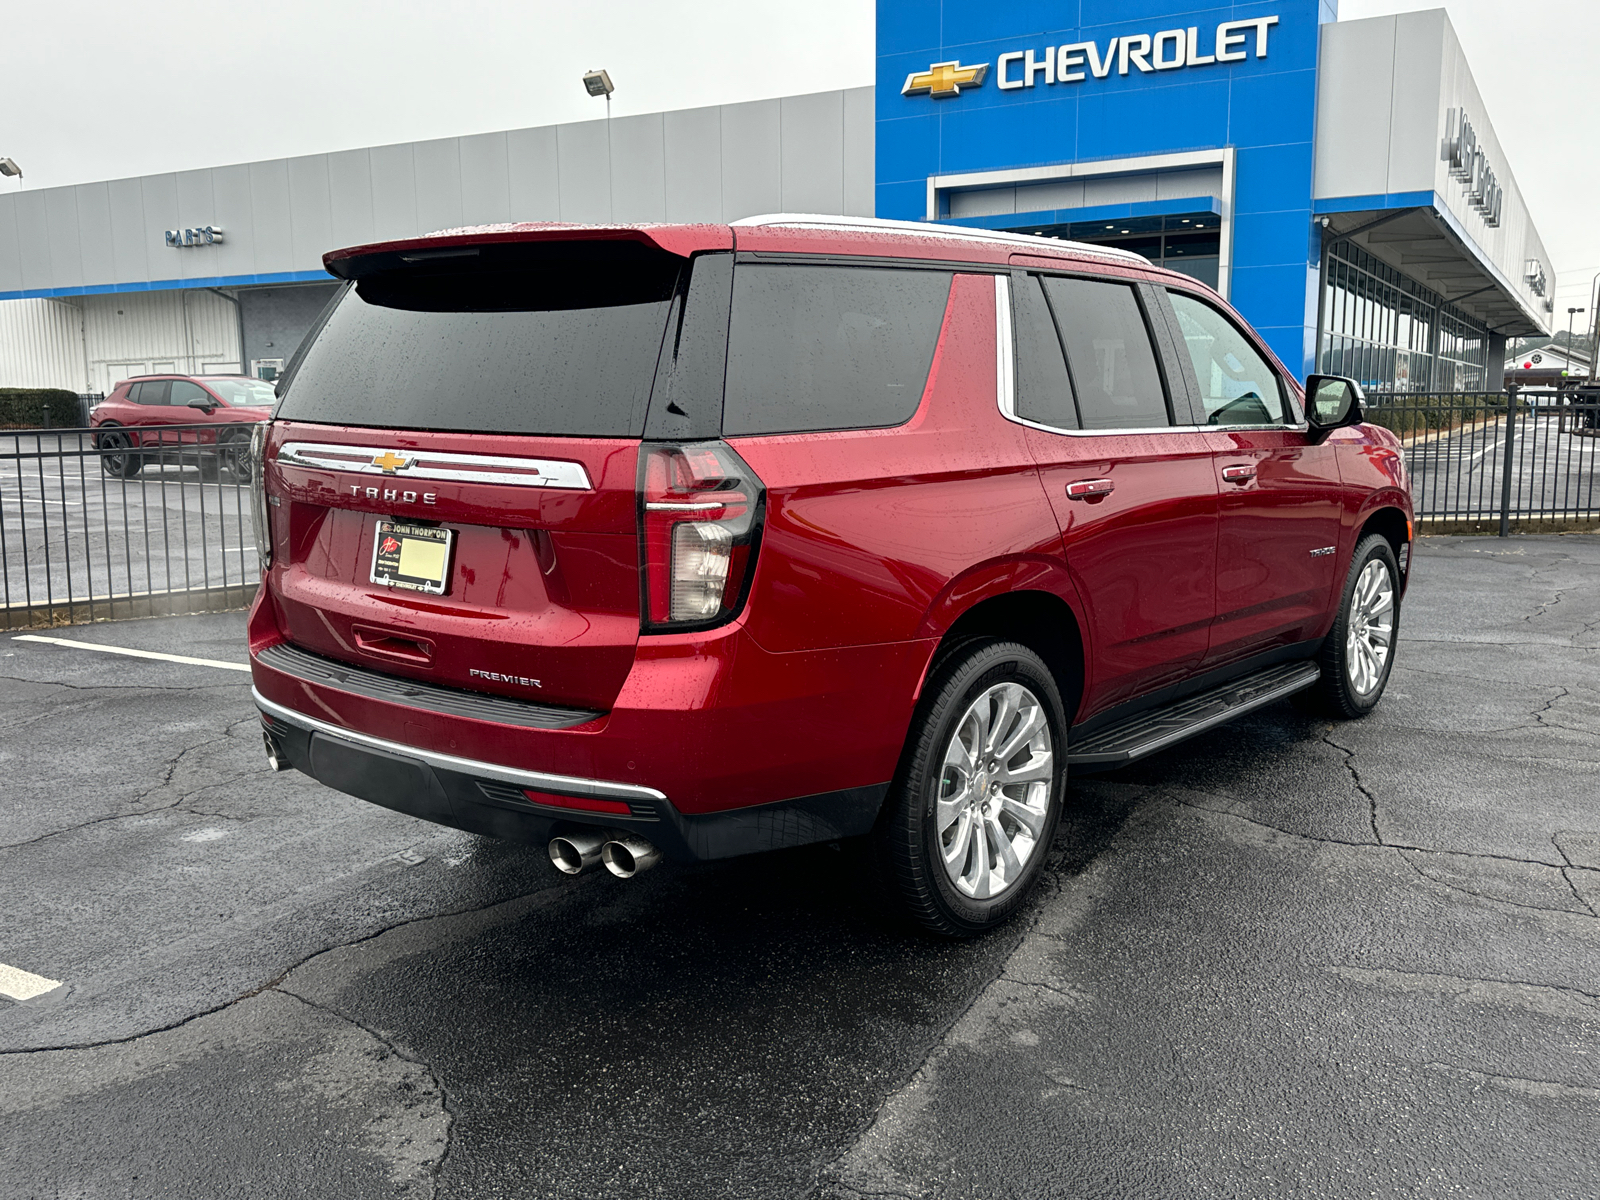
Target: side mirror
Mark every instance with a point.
(1332, 402)
(204, 404)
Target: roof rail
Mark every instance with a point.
(930, 229)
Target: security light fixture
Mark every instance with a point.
(9, 168)
(599, 84)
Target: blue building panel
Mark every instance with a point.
(1151, 84)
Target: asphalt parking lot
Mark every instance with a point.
(1291, 958)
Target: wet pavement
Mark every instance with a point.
(1292, 957)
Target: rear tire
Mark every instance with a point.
(965, 834)
(233, 451)
(1358, 655)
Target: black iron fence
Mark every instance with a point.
(115, 523)
(1510, 460)
(119, 523)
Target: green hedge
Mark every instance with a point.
(24, 408)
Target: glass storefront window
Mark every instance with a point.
(1392, 334)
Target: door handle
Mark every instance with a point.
(1239, 474)
(1083, 489)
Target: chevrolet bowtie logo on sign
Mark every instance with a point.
(943, 80)
(390, 462)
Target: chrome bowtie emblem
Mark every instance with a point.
(390, 462)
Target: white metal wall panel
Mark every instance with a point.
(10, 251)
(692, 164)
(273, 235)
(533, 174)
(860, 152)
(752, 159)
(41, 344)
(94, 231)
(66, 247)
(811, 139)
(128, 232)
(310, 215)
(1355, 108)
(1413, 126)
(584, 150)
(485, 180)
(197, 208)
(438, 167)
(234, 210)
(281, 216)
(394, 193)
(188, 328)
(160, 197)
(350, 200)
(33, 240)
(638, 169)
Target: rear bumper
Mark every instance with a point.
(489, 798)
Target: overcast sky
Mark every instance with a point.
(103, 90)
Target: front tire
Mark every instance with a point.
(978, 796)
(1358, 655)
(118, 459)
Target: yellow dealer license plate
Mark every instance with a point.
(412, 556)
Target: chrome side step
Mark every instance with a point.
(1147, 732)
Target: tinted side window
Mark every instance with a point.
(829, 347)
(1237, 386)
(1044, 391)
(152, 391)
(1108, 347)
(183, 391)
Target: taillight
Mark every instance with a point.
(700, 527)
(258, 494)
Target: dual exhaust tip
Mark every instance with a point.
(623, 854)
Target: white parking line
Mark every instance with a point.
(177, 658)
(24, 985)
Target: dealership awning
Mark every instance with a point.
(1419, 237)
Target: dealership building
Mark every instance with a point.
(1339, 182)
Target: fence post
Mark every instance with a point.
(1505, 469)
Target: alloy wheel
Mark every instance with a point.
(994, 791)
(1370, 632)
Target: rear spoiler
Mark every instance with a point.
(374, 258)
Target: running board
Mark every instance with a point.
(1147, 732)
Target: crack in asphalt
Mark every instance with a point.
(1399, 846)
(121, 687)
(1544, 608)
(446, 1101)
(275, 982)
(1523, 983)
(1355, 776)
(168, 769)
(1566, 872)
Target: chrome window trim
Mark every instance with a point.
(452, 467)
(1005, 380)
(569, 785)
(1005, 384)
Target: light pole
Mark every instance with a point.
(598, 83)
(8, 168)
(1571, 312)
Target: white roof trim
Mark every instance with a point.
(1026, 241)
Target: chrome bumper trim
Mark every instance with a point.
(567, 785)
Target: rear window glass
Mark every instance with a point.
(1108, 347)
(829, 347)
(562, 346)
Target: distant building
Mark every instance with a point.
(1543, 366)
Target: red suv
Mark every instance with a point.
(172, 416)
(704, 540)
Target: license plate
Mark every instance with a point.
(412, 556)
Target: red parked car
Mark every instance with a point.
(173, 416)
(703, 540)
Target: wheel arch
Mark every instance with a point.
(1390, 520)
(1025, 601)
